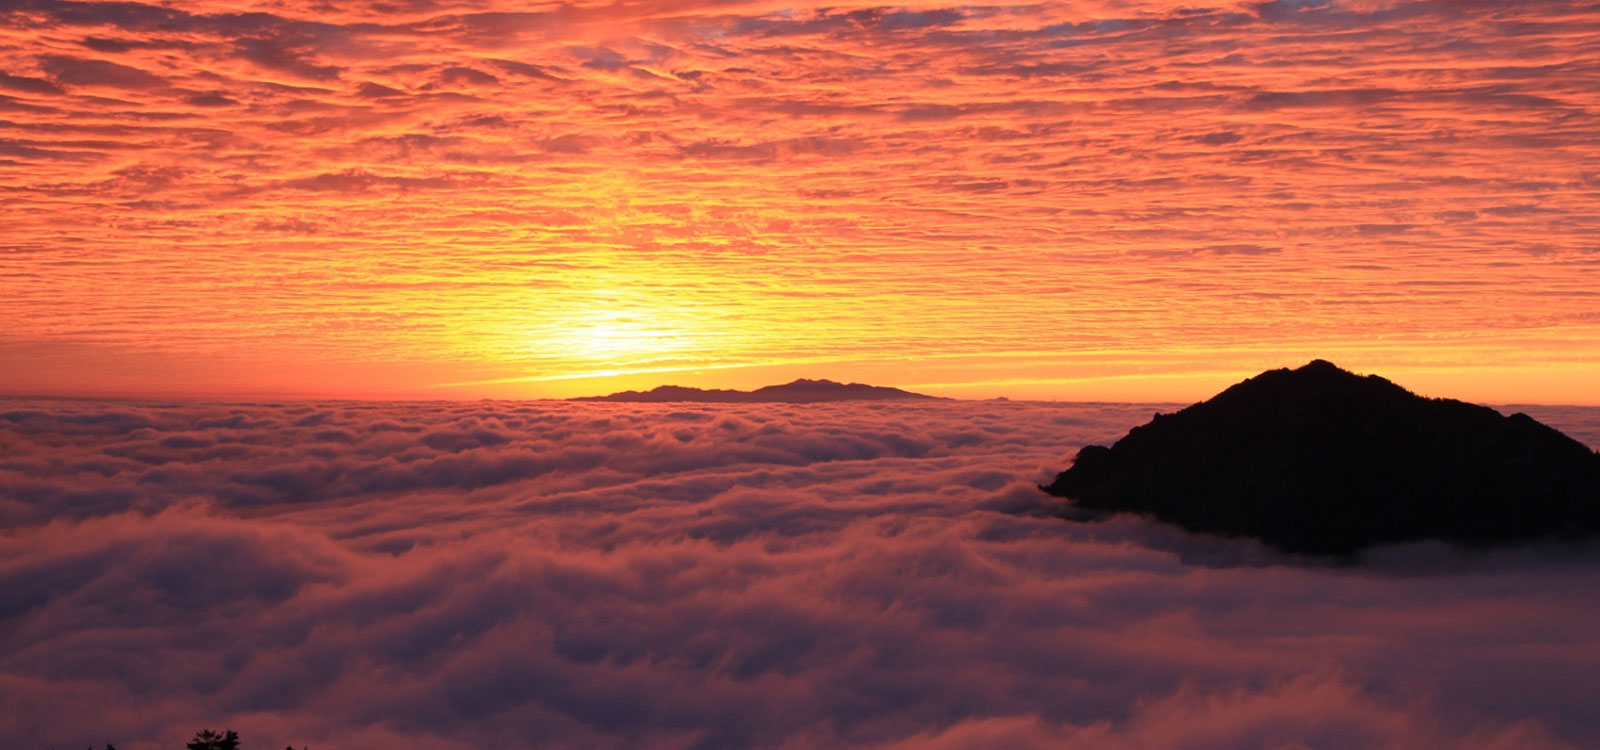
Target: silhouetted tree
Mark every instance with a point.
(206, 739)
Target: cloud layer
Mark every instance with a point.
(589, 186)
(606, 575)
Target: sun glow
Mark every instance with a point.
(616, 339)
(617, 335)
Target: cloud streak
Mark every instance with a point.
(745, 183)
(608, 575)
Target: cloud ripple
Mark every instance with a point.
(747, 183)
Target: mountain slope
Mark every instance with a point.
(1320, 460)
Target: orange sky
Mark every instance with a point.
(1123, 200)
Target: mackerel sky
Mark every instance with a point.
(470, 199)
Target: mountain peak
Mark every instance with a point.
(1321, 460)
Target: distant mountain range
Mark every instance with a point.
(801, 391)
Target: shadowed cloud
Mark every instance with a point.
(75, 71)
(752, 575)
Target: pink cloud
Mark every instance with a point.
(606, 575)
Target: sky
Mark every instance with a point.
(1113, 200)
(885, 576)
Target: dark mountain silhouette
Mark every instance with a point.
(1319, 460)
(801, 391)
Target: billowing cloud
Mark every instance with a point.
(597, 575)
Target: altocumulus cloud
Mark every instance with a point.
(605, 575)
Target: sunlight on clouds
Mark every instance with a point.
(618, 337)
(439, 189)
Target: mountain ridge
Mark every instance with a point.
(799, 391)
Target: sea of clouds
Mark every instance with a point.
(561, 575)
